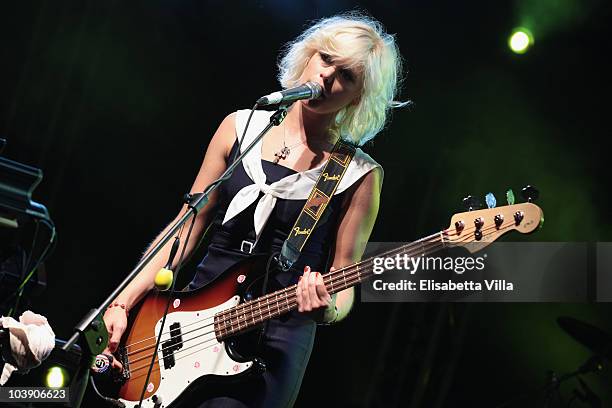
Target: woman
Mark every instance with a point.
(357, 66)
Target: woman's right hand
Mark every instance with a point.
(115, 319)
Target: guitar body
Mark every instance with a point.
(190, 355)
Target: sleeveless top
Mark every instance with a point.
(260, 203)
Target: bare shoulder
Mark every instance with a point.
(224, 137)
(365, 192)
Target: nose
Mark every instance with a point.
(328, 74)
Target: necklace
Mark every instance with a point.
(285, 150)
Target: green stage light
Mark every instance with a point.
(56, 377)
(520, 40)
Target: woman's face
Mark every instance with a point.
(341, 85)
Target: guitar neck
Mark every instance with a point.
(247, 315)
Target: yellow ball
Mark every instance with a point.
(163, 279)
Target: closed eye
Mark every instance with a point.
(344, 72)
(326, 58)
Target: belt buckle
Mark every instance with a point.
(248, 244)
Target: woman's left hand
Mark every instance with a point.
(313, 297)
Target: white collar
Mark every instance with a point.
(292, 187)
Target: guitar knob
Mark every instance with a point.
(518, 217)
(478, 223)
(471, 203)
(478, 235)
(530, 193)
(499, 219)
(459, 226)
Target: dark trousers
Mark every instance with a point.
(285, 349)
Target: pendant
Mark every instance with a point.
(282, 154)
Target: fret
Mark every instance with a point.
(253, 314)
(277, 304)
(269, 311)
(219, 329)
(358, 273)
(331, 281)
(344, 278)
(442, 239)
(241, 317)
(231, 322)
(287, 301)
(260, 310)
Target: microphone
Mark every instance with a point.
(309, 90)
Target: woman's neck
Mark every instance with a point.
(309, 126)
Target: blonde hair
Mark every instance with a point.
(362, 42)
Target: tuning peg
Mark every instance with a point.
(510, 197)
(490, 200)
(530, 193)
(471, 203)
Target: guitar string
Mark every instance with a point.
(292, 302)
(355, 278)
(238, 310)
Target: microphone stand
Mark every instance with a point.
(91, 330)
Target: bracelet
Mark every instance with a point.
(117, 304)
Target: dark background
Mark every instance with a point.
(116, 102)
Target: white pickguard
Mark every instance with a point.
(200, 355)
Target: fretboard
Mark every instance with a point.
(245, 316)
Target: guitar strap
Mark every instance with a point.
(317, 201)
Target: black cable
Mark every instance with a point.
(264, 290)
(50, 245)
(170, 293)
(111, 401)
(243, 134)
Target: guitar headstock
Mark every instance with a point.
(479, 228)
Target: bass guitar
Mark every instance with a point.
(196, 345)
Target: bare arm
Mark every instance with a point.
(213, 165)
(354, 232)
(360, 209)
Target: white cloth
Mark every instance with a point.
(31, 340)
(293, 187)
